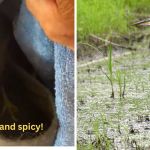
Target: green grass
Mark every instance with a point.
(107, 16)
(110, 69)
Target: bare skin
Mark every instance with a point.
(56, 17)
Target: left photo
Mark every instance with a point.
(37, 73)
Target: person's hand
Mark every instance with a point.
(56, 17)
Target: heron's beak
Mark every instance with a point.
(145, 22)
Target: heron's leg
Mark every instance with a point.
(64, 86)
(8, 106)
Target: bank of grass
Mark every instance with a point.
(107, 16)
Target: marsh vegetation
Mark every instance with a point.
(119, 122)
(113, 75)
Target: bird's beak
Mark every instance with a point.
(145, 22)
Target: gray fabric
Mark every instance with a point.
(44, 56)
(64, 85)
(36, 46)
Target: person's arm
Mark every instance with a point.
(56, 17)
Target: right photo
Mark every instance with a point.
(113, 75)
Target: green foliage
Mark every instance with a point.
(107, 16)
(120, 77)
(110, 62)
(110, 67)
(119, 80)
(102, 141)
(110, 71)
